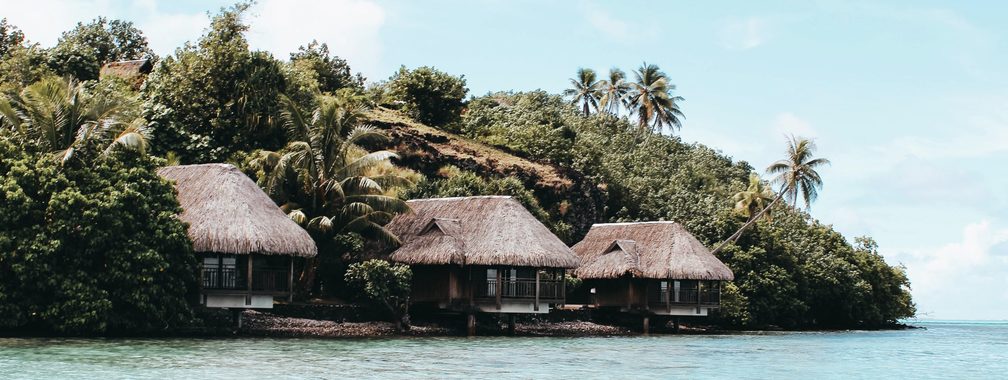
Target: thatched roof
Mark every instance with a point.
(127, 69)
(483, 230)
(228, 213)
(660, 250)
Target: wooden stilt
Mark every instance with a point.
(500, 289)
(471, 324)
(675, 324)
(647, 325)
(511, 324)
(290, 282)
(237, 316)
(535, 307)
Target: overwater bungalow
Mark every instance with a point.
(481, 254)
(247, 246)
(651, 268)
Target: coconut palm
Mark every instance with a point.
(584, 90)
(754, 198)
(57, 115)
(327, 182)
(614, 91)
(797, 173)
(652, 100)
(797, 176)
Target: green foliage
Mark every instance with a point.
(328, 183)
(383, 283)
(63, 118)
(333, 72)
(82, 51)
(431, 96)
(216, 97)
(20, 63)
(10, 37)
(459, 183)
(91, 248)
(790, 271)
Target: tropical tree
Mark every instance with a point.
(326, 181)
(797, 176)
(59, 116)
(585, 90)
(82, 51)
(215, 97)
(429, 95)
(652, 100)
(754, 198)
(614, 91)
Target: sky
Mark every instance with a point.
(909, 100)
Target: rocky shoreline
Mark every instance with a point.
(268, 325)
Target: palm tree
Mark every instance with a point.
(324, 175)
(651, 98)
(584, 90)
(756, 197)
(614, 91)
(797, 173)
(326, 182)
(797, 176)
(58, 116)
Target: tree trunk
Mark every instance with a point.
(307, 280)
(735, 236)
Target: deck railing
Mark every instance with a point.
(222, 278)
(270, 280)
(548, 289)
(226, 278)
(687, 296)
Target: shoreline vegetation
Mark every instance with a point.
(92, 242)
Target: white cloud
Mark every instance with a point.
(608, 25)
(787, 123)
(964, 279)
(744, 34)
(350, 28)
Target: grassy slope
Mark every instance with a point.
(419, 142)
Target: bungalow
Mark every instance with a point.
(133, 72)
(481, 254)
(651, 268)
(246, 245)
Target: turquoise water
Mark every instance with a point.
(943, 350)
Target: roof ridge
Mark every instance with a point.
(633, 223)
(466, 197)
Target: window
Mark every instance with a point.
(491, 288)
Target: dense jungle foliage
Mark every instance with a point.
(88, 242)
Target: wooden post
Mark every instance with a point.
(699, 290)
(249, 276)
(647, 324)
(290, 282)
(511, 324)
(471, 324)
(471, 289)
(668, 296)
(536, 306)
(563, 285)
(647, 295)
(500, 289)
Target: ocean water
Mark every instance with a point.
(967, 350)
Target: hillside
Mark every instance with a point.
(427, 150)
